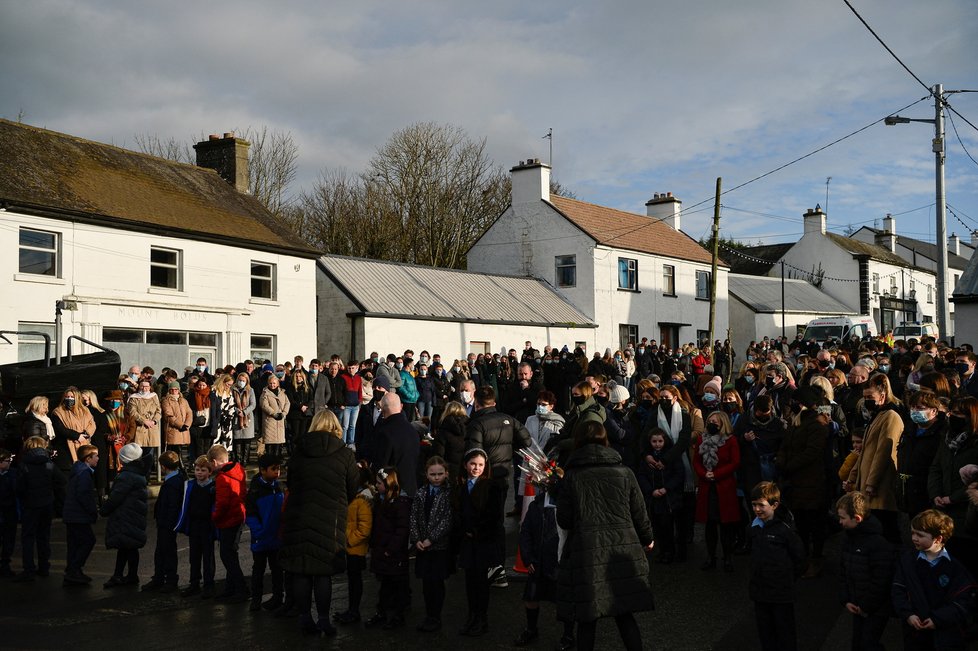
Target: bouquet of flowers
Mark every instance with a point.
(538, 468)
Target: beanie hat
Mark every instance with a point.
(382, 382)
(173, 385)
(714, 386)
(130, 452)
(617, 393)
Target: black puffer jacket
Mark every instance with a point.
(450, 442)
(323, 479)
(126, 508)
(389, 537)
(499, 435)
(39, 483)
(914, 457)
(777, 558)
(867, 567)
(603, 571)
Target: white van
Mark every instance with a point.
(840, 328)
(915, 330)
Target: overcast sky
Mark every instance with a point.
(642, 96)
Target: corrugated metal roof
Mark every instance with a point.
(404, 290)
(763, 294)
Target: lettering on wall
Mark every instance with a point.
(158, 316)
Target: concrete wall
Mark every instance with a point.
(334, 326)
(106, 272)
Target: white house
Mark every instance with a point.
(865, 277)
(163, 262)
(368, 305)
(965, 302)
(762, 306)
(633, 275)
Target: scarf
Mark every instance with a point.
(202, 398)
(675, 423)
(708, 449)
(241, 401)
(47, 424)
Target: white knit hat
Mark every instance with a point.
(130, 452)
(617, 393)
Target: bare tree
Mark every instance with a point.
(170, 149)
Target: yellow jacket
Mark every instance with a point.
(359, 520)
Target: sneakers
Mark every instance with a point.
(497, 577)
(74, 578)
(272, 603)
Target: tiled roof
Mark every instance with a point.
(46, 171)
(626, 230)
(926, 249)
(769, 253)
(763, 294)
(395, 289)
(863, 248)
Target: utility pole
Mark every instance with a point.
(784, 332)
(943, 309)
(713, 268)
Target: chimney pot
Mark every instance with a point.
(228, 134)
(530, 182)
(213, 136)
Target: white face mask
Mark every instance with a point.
(466, 397)
(241, 384)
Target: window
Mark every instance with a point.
(669, 280)
(957, 277)
(39, 252)
(628, 274)
(893, 286)
(205, 339)
(703, 285)
(703, 338)
(580, 344)
(122, 336)
(930, 293)
(262, 280)
(164, 268)
(31, 347)
(627, 334)
(876, 283)
(166, 337)
(262, 347)
(479, 348)
(566, 266)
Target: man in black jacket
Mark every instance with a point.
(522, 399)
(398, 443)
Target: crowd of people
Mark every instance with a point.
(393, 461)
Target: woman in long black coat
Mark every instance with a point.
(603, 571)
(323, 479)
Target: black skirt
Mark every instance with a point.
(434, 565)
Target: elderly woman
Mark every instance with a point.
(36, 421)
(177, 419)
(323, 480)
(274, 407)
(73, 428)
(603, 571)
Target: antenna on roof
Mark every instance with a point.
(550, 137)
(828, 179)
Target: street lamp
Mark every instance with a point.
(943, 309)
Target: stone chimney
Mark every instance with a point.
(228, 156)
(814, 220)
(665, 207)
(531, 182)
(887, 238)
(954, 244)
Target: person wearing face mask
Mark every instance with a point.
(201, 371)
(584, 409)
(143, 413)
(716, 457)
(321, 387)
(300, 407)
(614, 398)
(671, 417)
(177, 417)
(947, 491)
(776, 384)
(964, 364)
(274, 407)
(442, 391)
(73, 427)
(917, 449)
(876, 475)
(710, 401)
(243, 430)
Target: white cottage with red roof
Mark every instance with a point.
(633, 275)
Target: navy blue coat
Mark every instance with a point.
(126, 508)
(943, 593)
(196, 507)
(867, 567)
(8, 495)
(168, 505)
(777, 558)
(263, 514)
(81, 503)
(39, 483)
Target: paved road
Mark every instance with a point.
(695, 610)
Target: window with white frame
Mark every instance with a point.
(262, 280)
(262, 347)
(703, 285)
(628, 274)
(930, 294)
(566, 270)
(165, 266)
(669, 280)
(876, 283)
(39, 252)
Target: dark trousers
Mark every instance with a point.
(35, 531)
(201, 553)
(304, 586)
(684, 519)
(354, 581)
(867, 631)
(81, 542)
(811, 530)
(665, 538)
(477, 591)
(241, 448)
(776, 626)
(165, 556)
(723, 533)
(228, 543)
(126, 558)
(434, 597)
(504, 485)
(631, 635)
(393, 595)
(259, 561)
(8, 536)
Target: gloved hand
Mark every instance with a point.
(279, 416)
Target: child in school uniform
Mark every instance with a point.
(40, 485)
(126, 508)
(263, 514)
(359, 522)
(195, 522)
(166, 512)
(8, 512)
(389, 549)
(933, 594)
(79, 514)
(661, 482)
(431, 525)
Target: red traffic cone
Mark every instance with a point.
(528, 494)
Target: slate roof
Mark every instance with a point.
(61, 176)
(767, 255)
(398, 290)
(966, 290)
(926, 249)
(631, 231)
(875, 252)
(763, 294)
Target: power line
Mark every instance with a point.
(958, 136)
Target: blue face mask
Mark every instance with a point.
(919, 416)
(676, 383)
(280, 374)
(884, 368)
(116, 404)
(124, 386)
(542, 410)
(749, 379)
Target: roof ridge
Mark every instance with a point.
(424, 266)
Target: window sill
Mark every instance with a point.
(630, 291)
(166, 291)
(670, 295)
(38, 278)
(701, 298)
(254, 300)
